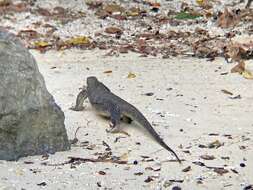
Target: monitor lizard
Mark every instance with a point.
(109, 104)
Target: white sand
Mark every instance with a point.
(195, 104)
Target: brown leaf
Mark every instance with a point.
(138, 173)
(118, 17)
(247, 74)
(220, 171)
(215, 144)
(113, 30)
(78, 41)
(43, 12)
(227, 19)
(28, 34)
(107, 72)
(28, 162)
(187, 169)
(207, 157)
(5, 2)
(113, 8)
(237, 51)
(101, 13)
(59, 11)
(134, 11)
(239, 68)
(226, 92)
(94, 4)
(131, 75)
(153, 169)
(8, 6)
(19, 7)
(123, 49)
(205, 4)
(149, 179)
(41, 44)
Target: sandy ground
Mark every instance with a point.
(188, 109)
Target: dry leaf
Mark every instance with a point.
(237, 51)
(220, 171)
(187, 169)
(93, 4)
(5, 2)
(133, 12)
(19, 172)
(43, 12)
(28, 34)
(131, 75)
(153, 3)
(155, 169)
(124, 156)
(247, 74)
(149, 179)
(215, 144)
(124, 49)
(82, 40)
(207, 157)
(205, 4)
(41, 44)
(226, 92)
(107, 72)
(113, 8)
(138, 173)
(239, 68)
(113, 30)
(227, 19)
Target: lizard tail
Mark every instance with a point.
(140, 118)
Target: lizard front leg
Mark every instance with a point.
(80, 99)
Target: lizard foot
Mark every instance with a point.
(76, 108)
(116, 129)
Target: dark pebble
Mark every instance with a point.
(176, 188)
(248, 187)
(149, 94)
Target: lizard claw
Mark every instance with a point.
(115, 129)
(76, 108)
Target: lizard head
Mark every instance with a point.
(92, 81)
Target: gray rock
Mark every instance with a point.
(30, 121)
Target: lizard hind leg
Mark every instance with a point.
(114, 128)
(115, 123)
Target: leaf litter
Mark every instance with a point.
(145, 28)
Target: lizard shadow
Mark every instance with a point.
(127, 123)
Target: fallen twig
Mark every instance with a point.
(78, 160)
